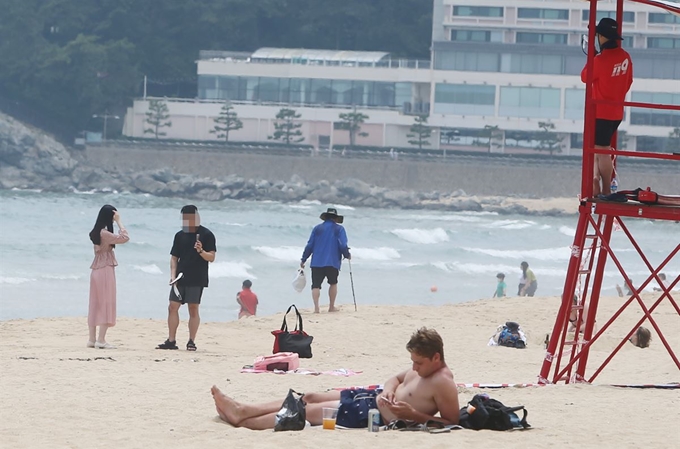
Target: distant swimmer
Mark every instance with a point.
(102, 310)
(327, 244)
(192, 249)
(247, 300)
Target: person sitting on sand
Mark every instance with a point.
(641, 337)
(415, 395)
(247, 300)
(573, 318)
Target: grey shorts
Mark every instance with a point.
(187, 295)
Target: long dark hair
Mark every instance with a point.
(104, 220)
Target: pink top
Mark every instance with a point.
(103, 253)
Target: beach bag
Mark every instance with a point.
(292, 415)
(296, 341)
(284, 361)
(511, 336)
(300, 281)
(482, 412)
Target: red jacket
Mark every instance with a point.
(612, 78)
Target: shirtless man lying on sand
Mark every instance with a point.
(414, 395)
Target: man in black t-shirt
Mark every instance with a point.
(192, 249)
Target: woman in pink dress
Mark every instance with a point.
(102, 310)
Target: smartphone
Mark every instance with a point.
(198, 237)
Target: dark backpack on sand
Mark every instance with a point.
(487, 413)
(510, 336)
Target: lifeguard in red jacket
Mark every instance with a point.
(612, 78)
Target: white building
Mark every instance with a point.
(494, 63)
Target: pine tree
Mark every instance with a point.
(227, 121)
(157, 117)
(673, 142)
(286, 129)
(420, 132)
(548, 140)
(351, 121)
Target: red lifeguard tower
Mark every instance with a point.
(566, 357)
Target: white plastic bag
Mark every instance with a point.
(300, 281)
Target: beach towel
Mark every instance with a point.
(249, 369)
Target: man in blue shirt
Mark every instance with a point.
(326, 245)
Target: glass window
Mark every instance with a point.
(541, 38)
(227, 88)
(321, 92)
(540, 13)
(284, 90)
(465, 99)
(574, 104)
(207, 87)
(478, 11)
(342, 92)
(360, 90)
(268, 90)
(663, 42)
(663, 17)
(628, 16)
(300, 90)
(533, 63)
(403, 94)
(537, 102)
(247, 88)
(471, 36)
(655, 117)
(383, 94)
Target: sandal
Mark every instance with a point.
(191, 346)
(168, 345)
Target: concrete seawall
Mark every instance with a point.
(477, 176)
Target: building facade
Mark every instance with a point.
(497, 70)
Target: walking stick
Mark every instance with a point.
(351, 280)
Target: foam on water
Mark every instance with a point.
(14, 280)
(283, 253)
(343, 207)
(231, 270)
(510, 224)
(562, 253)
(422, 236)
(566, 230)
(148, 269)
(61, 277)
(383, 253)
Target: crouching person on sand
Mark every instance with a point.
(416, 394)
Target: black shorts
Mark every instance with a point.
(321, 273)
(604, 131)
(187, 295)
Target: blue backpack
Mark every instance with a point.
(510, 336)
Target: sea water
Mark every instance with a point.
(398, 255)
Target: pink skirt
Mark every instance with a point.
(102, 310)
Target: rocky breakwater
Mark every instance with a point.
(31, 159)
(351, 192)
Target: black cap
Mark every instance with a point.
(608, 28)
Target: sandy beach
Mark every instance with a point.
(56, 393)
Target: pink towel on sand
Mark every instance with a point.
(336, 372)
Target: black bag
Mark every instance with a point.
(487, 413)
(292, 415)
(297, 341)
